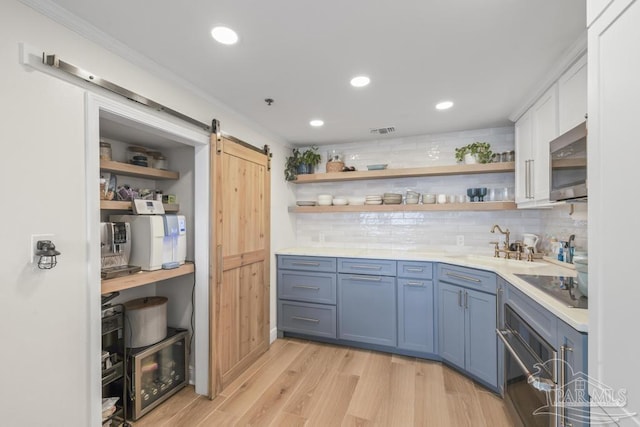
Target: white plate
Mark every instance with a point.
(305, 203)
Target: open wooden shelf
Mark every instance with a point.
(145, 277)
(478, 168)
(120, 168)
(118, 205)
(475, 206)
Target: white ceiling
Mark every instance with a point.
(487, 56)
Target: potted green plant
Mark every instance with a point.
(301, 162)
(476, 152)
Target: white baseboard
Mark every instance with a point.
(274, 335)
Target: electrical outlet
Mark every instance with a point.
(33, 247)
(460, 240)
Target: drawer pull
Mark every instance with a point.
(367, 279)
(306, 319)
(366, 267)
(415, 269)
(314, 288)
(313, 264)
(463, 277)
(416, 284)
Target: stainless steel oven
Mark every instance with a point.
(530, 377)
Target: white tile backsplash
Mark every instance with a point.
(427, 230)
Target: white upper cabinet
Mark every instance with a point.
(533, 132)
(559, 109)
(572, 96)
(595, 8)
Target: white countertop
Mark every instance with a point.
(575, 317)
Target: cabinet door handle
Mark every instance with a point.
(366, 267)
(463, 277)
(563, 381)
(314, 288)
(460, 298)
(309, 263)
(416, 284)
(305, 319)
(466, 299)
(415, 269)
(366, 279)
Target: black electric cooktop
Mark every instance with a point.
(564, 289)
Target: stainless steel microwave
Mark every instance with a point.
(568, 165)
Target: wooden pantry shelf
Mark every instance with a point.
(470, 207)
(118, 205)
(478, 168)
(144, 278)
(120, 168)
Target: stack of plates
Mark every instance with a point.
(392, 198)
(412, 197)
(373, 200)
(339, 201)
(356, 200)
(305, 203)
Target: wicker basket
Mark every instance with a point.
(335, 166)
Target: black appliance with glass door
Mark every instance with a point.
(530, 381)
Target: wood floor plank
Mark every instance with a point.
(431, 400)
(373, 387)
(274, 351)
(354, 362)
(266, 407)
(494, 410)
(178, 402)
(334, 402)
(464, 408)
(197, 411)
(287, 419)
(312, 386)
(218, 419)
(250, 390)
(397, 409)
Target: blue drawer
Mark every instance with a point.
(538, 317)
(306, 318)
(372, 267)
(415, 269)
(307, 263)
(468, 277)
(307, 286)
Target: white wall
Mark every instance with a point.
(45, 314)
(426, 230)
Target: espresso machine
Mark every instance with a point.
(115, 250)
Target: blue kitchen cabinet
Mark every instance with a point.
(572, 379)
(451, 324)
(416, 311)
(367, 303)
(467, 321)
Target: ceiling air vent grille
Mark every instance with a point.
(384, 131)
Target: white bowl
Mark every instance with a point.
(324, 203)
(339, 202)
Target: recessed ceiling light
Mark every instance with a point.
(360, 81)
(444, 105)
(316, 123)
(224, 35)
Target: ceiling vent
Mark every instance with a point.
(384, 131)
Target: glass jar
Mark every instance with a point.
(161, 162)
(105, 150)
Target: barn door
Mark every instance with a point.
(239, 284)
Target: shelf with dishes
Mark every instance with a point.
(465, 206)
(119, 205)
(145, 277)
(458, 169)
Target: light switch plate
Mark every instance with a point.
(33, 247)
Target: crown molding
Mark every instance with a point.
(567, 59)
(74, 23)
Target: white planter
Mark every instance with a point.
(470, 159)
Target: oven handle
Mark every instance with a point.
(542, 384)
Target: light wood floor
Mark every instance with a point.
(300, 383)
